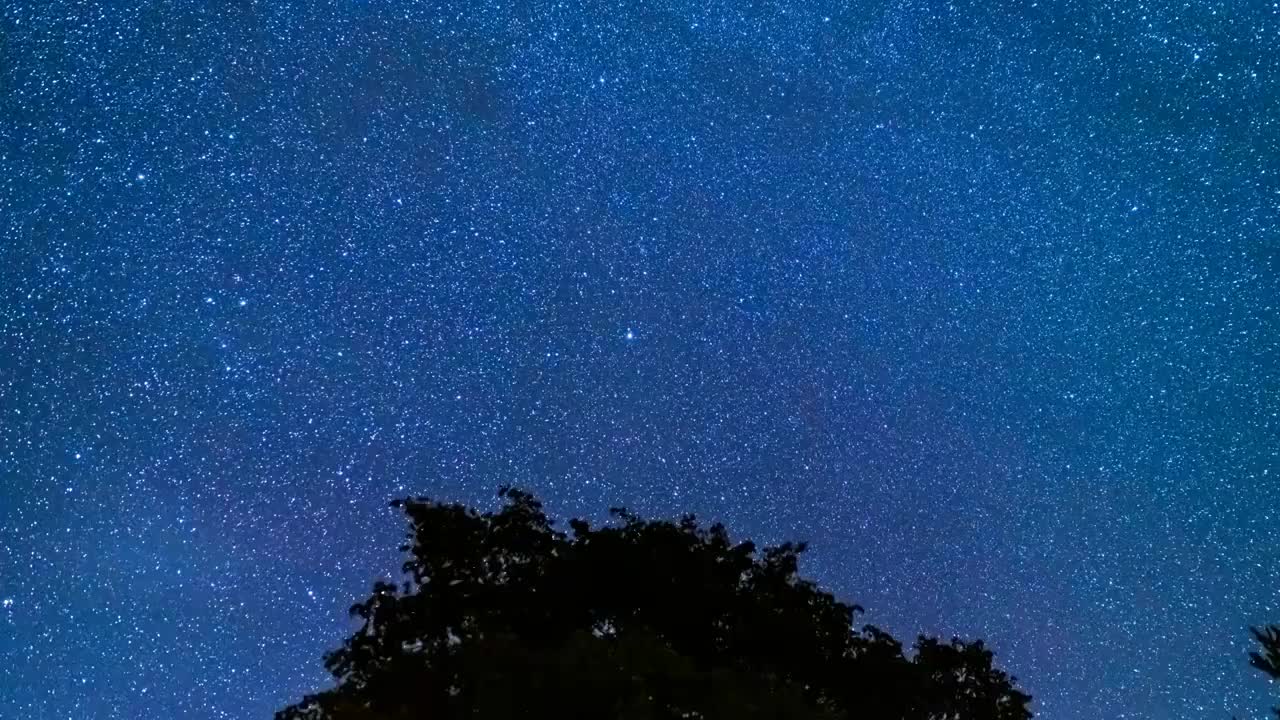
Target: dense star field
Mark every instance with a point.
(980, 298)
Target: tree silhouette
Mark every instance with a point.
(501, 616)
(1268, 661)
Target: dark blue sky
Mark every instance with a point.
(980, 298)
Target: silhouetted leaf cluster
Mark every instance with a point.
(502, 616)
(1268, 661)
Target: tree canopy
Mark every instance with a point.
(500, 615)
(1268, 661)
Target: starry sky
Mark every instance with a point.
(979, 297)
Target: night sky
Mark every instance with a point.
(981, 298)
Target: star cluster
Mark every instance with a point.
(979, 298)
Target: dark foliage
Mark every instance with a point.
(501, 616)
(1268, 661)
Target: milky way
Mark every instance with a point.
(979, 298)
